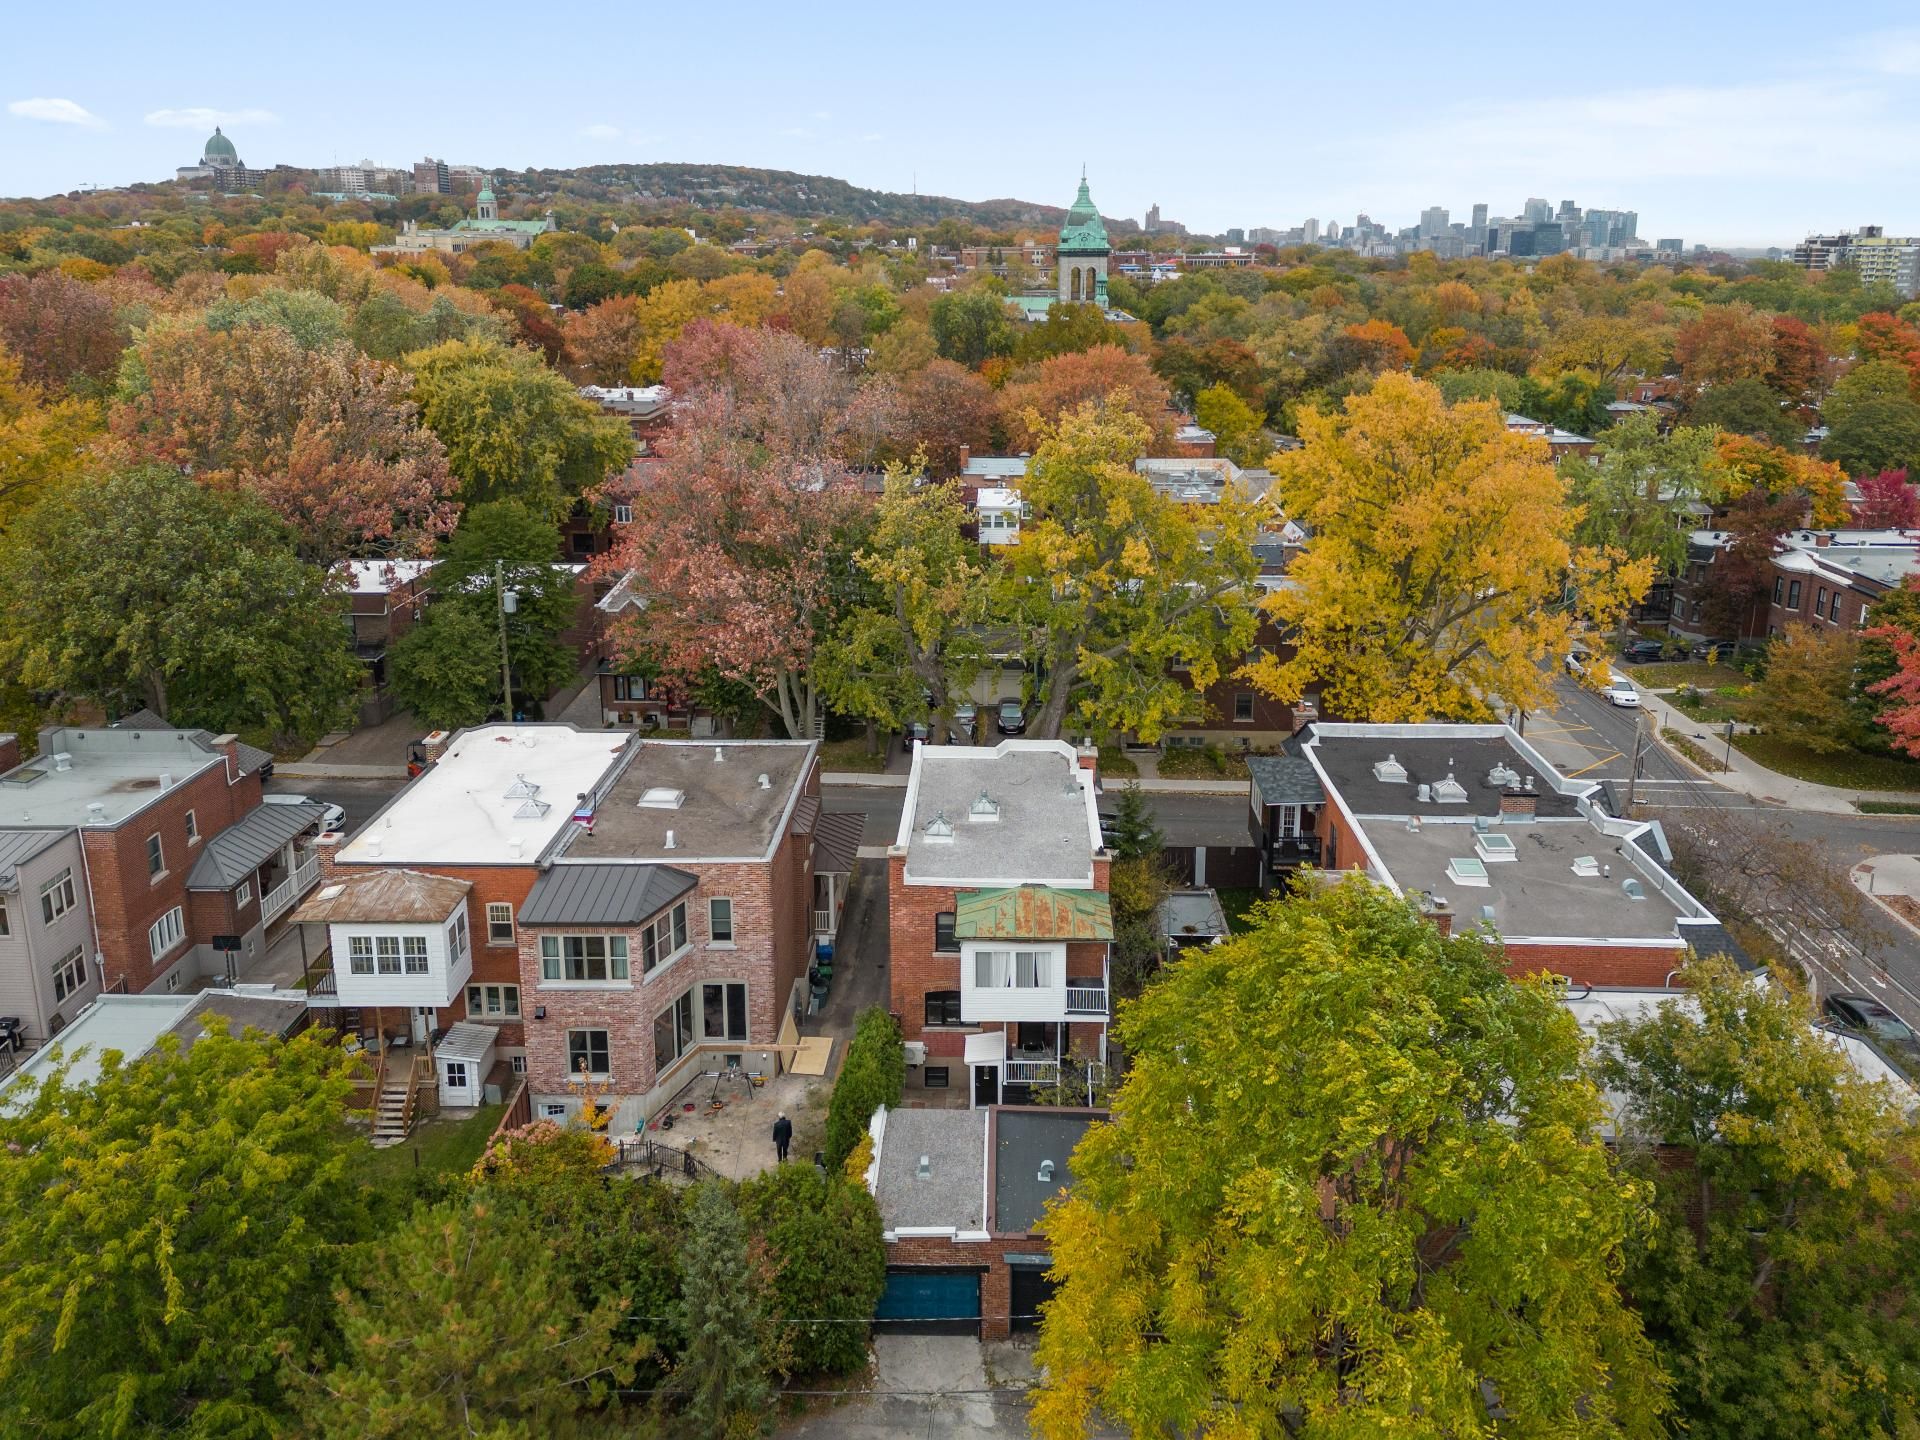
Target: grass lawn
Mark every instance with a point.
(1850, 769)
(850, 754)
(1681, 672)
(1115, 761)
(1712, 706)
(1188, 762)
(443, 1147)
(1237, 903)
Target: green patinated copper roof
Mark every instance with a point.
(1083, 232)
(1032, 912)
(218, 144)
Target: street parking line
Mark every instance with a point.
(1576, 774)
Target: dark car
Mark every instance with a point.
(965, 718)
(915, 733)
(1640, 652)
(1714, 650)
(1864, 1013)
(1011, 718)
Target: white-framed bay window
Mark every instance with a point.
(1013, 980)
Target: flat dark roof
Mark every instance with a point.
(1023, 1141)
(723, 812)
(1349, 760)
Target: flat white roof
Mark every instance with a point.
(377, 577)
(997, 497)
(460, 812)
(131, 1024)
(1043, 830)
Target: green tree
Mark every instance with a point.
(1807, 693)
(171, 1227)
(148, 588)
(971, 327)
(446, 668)
(1747, 407)
(1067, 327)
(1778, 1286)
(912, 649)
(822, 1233)
(513, 429)
(1873, 422)
(1136, 833)
(461, 1323)
(1133, 603)
(720, 1380)
(1352, 1186)
(1234, 423)
(872, 1075)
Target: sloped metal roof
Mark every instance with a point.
(394, 897)
(611, 894)
(1032, 912)
(240, 849)
(836, 841)
(19, 846)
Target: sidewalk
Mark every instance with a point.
(1750, 777)
(1893, 883)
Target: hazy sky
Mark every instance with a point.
(1742, 125)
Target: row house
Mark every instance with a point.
(385, 598)
(1819, 577)
(136, 860)
(999, 928)
(1477, 827)
(608, 916)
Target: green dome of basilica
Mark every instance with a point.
(219, 147)
(1083, 234)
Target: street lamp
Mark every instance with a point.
(507, 602)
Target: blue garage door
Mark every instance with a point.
(930, 1302)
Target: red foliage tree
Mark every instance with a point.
(64, 331)
(1887, 502)
(535, 320)
(1800, 362)
(1105, 375)
(1741, 576)
(947, 408)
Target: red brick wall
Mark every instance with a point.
(1598, 964)
(127, 902)
(996, 1276)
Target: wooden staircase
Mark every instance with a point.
(393, 1101)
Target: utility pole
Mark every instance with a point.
(1633, 775)
(505, 601)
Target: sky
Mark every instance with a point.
(1741, 125)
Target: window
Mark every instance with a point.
(663, 939)
(587, 1053)
(57, 896)
(943, 1007)
(1012, 969)
(1793, 595)
(720, 921)
(69, 975)
(360, 954)
(723, 1011)
(623, 514)
(457, 934)
(629, 687)
(1778, 584)
(672, 1032)
(679, 925)
(1820, 602)
(517, 1063)
(583, 959)
(193, 829)
(166, 932)
(553, 1111)
(934, 1077)
(943, 937)
(493, 1002)
(456, 1074)
(499, 924)
(386, 954)
(1242, 706)
(414, 952)
(156, 858)
(6, 922)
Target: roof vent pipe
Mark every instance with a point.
(1046, 1172)
(718, 754)
(63, 761)
(670, 845)
(765, 781)
(925, 1168)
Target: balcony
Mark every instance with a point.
(281, 898)
(1085, 999)
(1294, 850)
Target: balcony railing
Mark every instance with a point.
(1296, 850)
(1086, 999)
(1030, 1072)
(277, 901)
(823, 922)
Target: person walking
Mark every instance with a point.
(782, 1136)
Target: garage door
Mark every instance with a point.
(930, 1302)
(1029, 1289)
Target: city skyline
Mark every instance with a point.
(1708, 131)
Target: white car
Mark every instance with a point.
(332, 817)
(1620, 692)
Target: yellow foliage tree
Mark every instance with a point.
(1442, 571)
(665, 311)
(43, 444)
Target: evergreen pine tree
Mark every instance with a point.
(720, 1381)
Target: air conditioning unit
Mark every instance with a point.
(916, 1053)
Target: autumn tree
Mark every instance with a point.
(1800, 361)
(1740, 580)
(66, 334)
(1442, 562)
(603, 341)
(1889, 339)
(1234, 423)
(325, 437)
(513, 429)
(1873, 421)
(1887, 502)
(44, 441)
(1748, 466)
(144, 588)
(1747, 407)
(1106, 376)
(1068, 327)
(910, 647)
(1722, 344)
(1806, 692)
(945, 409)
(1132, 602)
(1611, 346)
(971, 327)
(1418, 1232)
(1777, 1288)
(533, 321)
(173, 1225)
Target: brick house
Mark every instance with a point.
(998, 922)
(385, 598)
(961, 1196)
(1473, 823)
(1819, 577)
(136, 859)
(629, 910)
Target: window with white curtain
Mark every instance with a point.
(1012, 969)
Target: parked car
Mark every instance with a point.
(1576, 663)
(1012, 718)
(1715, 650)
(915, 733)
(1620, 692)
(1642, 652)
(1864, 1013)
(966, 719)
(332, 817)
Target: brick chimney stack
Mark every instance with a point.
(434, 745)
(9, 751)
(1515, 801)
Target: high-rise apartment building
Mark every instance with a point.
(1433, 221)
(1536, 211)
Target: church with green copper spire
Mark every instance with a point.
(1083, 252)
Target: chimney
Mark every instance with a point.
(435, 745)
(1517, 802)
(1087, 755)
(9, 751)
(1822, 539)
(966, 454)
(229, 746)
(324, 847)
